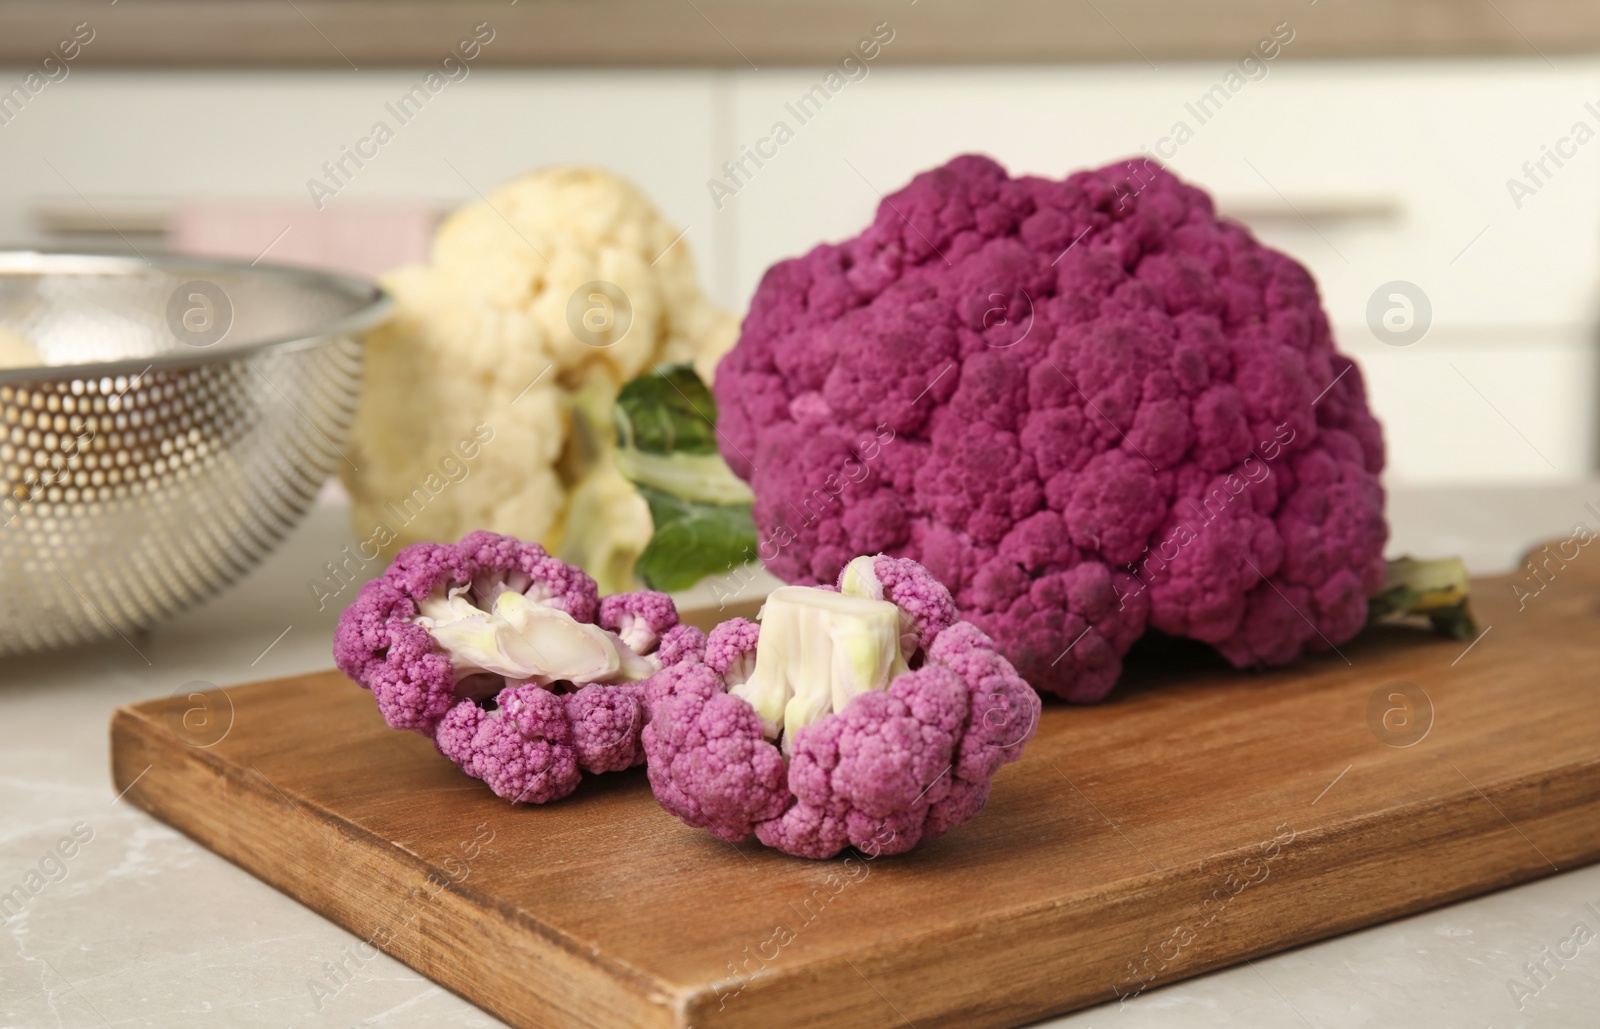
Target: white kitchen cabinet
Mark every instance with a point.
(1515, 404)
(1433, 143)
(153, 136)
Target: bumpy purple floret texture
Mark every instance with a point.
(640, 618)
(1088, 407)
(731, 649)
(710, 765)
(523, 750)
(893, 768)
(680, 643)
(606, 722)
(533, 744)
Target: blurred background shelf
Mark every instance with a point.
(759, 33)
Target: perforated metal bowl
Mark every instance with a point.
(187, 415)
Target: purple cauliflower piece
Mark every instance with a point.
(383, 641)
(731, 650)
(816, 732)
(606, 722)
(680, 643)
(507, 658)
(523, 749)
(709, 764)
(1089, 407)
(639, 619)
(926, 607)
(690, 677)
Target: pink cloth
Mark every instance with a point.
(365, 238)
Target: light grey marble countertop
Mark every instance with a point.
(141, 927)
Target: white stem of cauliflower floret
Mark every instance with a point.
(486, 588)
(524, 640)
(860, 579)
(817, 650)
(740, 669)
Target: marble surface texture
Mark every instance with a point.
(138, 926)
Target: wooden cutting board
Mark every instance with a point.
(1201, 817)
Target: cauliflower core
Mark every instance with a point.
(526, 640)
(822, 649)
(536, 304)
(1088, 407)
(893, 717)
(509, 661)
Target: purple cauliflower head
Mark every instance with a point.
(509, 661)
(862, 715)
(1089, 407)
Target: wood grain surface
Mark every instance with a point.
(1201, 817)
(358, 34)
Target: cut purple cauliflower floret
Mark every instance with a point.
(638, 619)
(817, 731)
(680, 643)
(731, 650)
(507, 658)
(1089, 407)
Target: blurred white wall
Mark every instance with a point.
(1369, 172)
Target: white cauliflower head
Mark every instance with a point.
(509, 345)
(16, 351)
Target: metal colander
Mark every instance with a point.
(190, 411)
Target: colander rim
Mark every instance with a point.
(374, 304)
